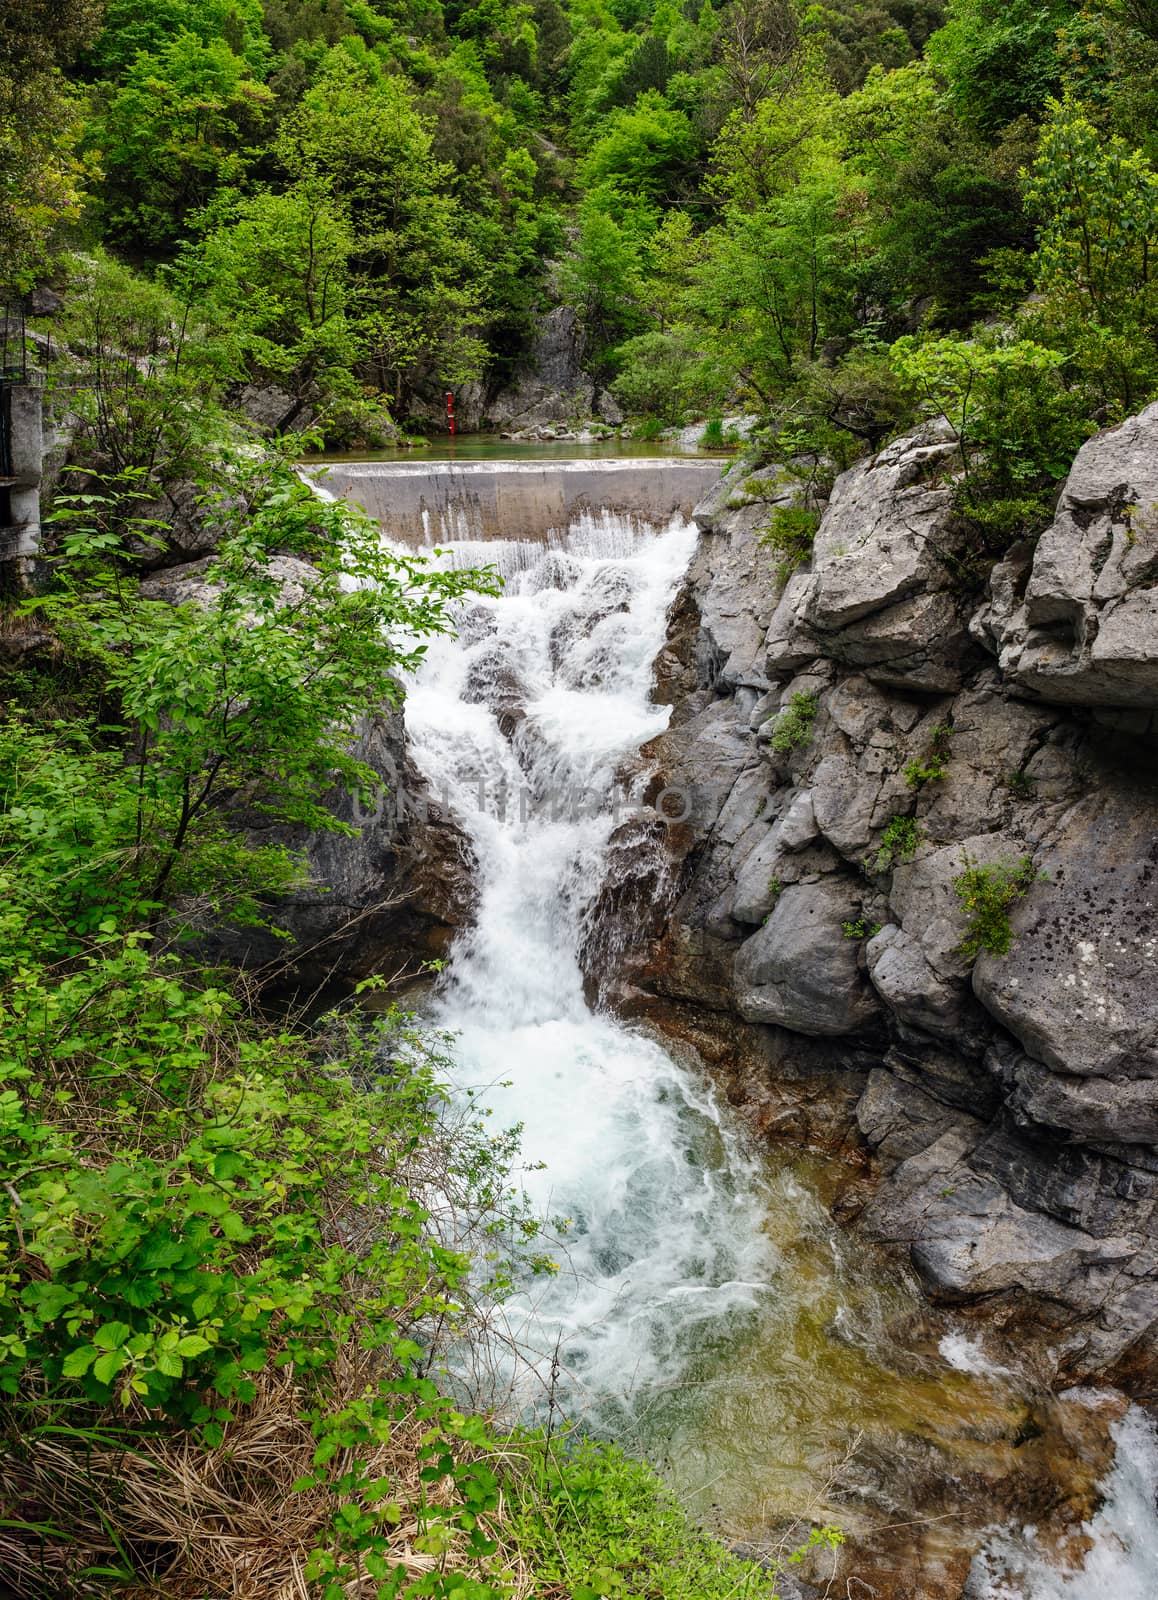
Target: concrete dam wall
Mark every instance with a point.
(421, 503)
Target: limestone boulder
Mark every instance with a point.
(799, 970)
(191, 583)
(1079, 987)
(940, 1005)
(1085, 629)
(880, 593)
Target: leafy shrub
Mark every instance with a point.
(934, 766)
(860, 928)
(257, 692)
(899, 842)
(986, 894)
(194, 1201)
(793, 725)
(612, 1529)
(789, 534)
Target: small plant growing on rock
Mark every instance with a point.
(1021, 784)
(899, 842)
(861, 928)
(789, 534)
(794, 722)
(918, 773)
(987, 894)
(775, 890)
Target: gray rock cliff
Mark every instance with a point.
(1010, 1099)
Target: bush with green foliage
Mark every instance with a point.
(987, 894)
(900, 842)
(789, 535)
(792, 726)
(663, 375)
(254, 687)
(933, 767)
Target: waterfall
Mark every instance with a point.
(705, 1308)
(524, 724)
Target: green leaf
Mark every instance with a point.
(77, 1362)
(111, 1335)
(106, 1367)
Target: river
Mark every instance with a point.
(706, 1308)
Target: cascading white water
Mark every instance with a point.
(523, 724)
(704, 1308)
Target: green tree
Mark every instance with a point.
(1001, 61)
(604, 278)
(648, 151)
(254, 686)
(146, 27)
(1017, 424)
(177, 127)
(1097, 205)
(143, 378)
(273, 278)
(40, 129)
(358, 133)
(772, 284)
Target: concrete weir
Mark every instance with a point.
(420, 503)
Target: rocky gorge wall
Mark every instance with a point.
(1009, 1103)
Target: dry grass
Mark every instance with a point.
(198, 1524)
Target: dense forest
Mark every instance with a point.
(227, 1236)
(796, 209)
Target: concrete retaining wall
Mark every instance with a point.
(421, 503)
(23, 422)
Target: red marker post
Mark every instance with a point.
(450, 413)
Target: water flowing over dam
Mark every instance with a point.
(426, 503)
(706, 1309)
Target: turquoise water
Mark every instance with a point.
(489, 447)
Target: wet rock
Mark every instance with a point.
(492, 680)
(900, 1120)
(967, 1238)
(1011, 1104)
(383, 900)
